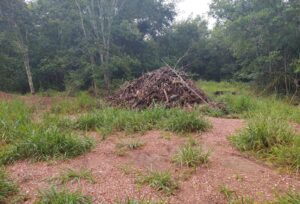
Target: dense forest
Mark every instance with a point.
(97, 44)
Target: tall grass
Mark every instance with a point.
(108, 120)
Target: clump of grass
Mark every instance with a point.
(54, 196)
(160, 181)
(263, 133)
(183, 122)
(7, 187)
(272, 139)
(210, 111)
(49, 143)
(108, 120)
(288, 198)
(191, 156)
(74, 175)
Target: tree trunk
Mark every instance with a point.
(28, 71)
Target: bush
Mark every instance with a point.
(7, 187)
(53, 196)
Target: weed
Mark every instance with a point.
(54, 196)
(191, 156)
(73, 175)
(7, 187)
(160, 181)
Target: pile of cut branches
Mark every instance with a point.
(165, 86)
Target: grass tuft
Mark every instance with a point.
(288, 198)
(160, 181)
(54, 196)
(191, 156)
(74, 175)
(263, 133)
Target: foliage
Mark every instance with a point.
(54, 196)
(160, 181)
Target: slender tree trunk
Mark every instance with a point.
(28, 71)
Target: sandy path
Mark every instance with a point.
(227, 167)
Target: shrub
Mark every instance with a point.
(191, 156)
(160, 181)
(54, 196)
(7, 187)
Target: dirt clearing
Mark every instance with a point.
(115, 175)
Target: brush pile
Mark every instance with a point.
(165, 86)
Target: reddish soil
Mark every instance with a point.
(115, 176)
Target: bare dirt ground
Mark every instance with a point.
(115, 176)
